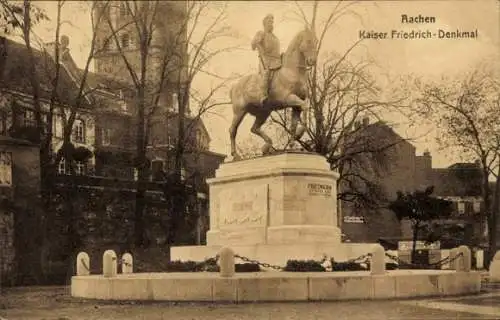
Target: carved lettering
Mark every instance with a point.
(319, 189)
(243, 220)
(243, 206)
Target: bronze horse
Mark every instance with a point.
(288, 89)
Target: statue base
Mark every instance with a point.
(277, 207)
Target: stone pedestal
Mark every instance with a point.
(275, 207)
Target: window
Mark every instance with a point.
(79, 131)
(468, 207)
(61, 168)
(183, 173)
(5, 168)
(199, 138)
(157, 169)
(157, 165)
(106, 136)
(79, 167)
(125, 41)
(171, 141)
(476, 206)
(58, 126)
(461, 207)
(175, 102)
(29, 118)
(123, 9)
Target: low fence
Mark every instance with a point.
(459, 259)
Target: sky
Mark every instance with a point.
(427, 58)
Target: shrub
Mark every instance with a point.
(348, 266)
(247, 267)
(211, 266)
(183, 266)
(391, 266)
(303, 266)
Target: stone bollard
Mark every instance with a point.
(464, 261)
(82, 264)
(453, 261)
(127, 263)
(494, 271)
(109, 264)
(377, 265)
(226, 262)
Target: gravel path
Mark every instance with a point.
(55, 303)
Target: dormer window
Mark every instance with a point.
(123, 9)
(125, 41)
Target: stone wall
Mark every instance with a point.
(7, 251)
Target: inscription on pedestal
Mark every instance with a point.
(244, 206)
(243, 220)
(317, 189)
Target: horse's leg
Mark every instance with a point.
(296, 121)
(238, 116)
(257, 130)
(297, 105)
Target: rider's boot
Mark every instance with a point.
(265, 88)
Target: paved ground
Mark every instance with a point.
(54, 303)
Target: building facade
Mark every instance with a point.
(401, 169)
(105, 124)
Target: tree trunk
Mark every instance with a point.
(493, 243)
(141, 167)
(487, 213)
(416, 228)
(178, 203)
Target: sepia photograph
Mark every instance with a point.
(250, 160)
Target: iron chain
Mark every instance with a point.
(363, 258)
(439, 263)
(263, 264)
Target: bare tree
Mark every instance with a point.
(167, 73)
(50, 71)
(341, 94)
(204, 25)
(466, 113)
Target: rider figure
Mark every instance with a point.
(268, 47)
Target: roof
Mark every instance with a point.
(15, 73)
(456, 181)
(6, 140)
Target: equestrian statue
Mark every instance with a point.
(281, 83)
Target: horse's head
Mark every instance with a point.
(308, 46)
